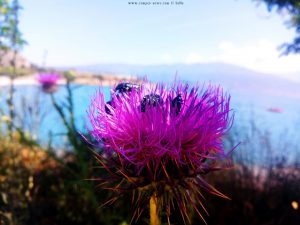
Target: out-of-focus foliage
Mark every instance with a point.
(19, 71)
(264, 186)
(18, 164)
(10, 40)
(38, 188)
(10, 34)
(292, 7)
(259, 196)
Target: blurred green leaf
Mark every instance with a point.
(10, 34)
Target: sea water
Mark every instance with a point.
(36, 115)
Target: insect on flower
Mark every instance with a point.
(159, 141)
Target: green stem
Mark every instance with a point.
(10, 103)
(154, 212)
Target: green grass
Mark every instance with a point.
(19, 71)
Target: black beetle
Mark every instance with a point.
(126, 87)
(177, 103)
(150, 100)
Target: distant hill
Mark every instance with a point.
(233, 78)
(6, 58)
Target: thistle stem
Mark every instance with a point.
(154, 217)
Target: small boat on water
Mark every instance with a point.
(275, 110)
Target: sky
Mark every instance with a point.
(75, 32)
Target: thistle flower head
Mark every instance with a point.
(161, 139)
(48, 81)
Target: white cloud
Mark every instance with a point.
(261, 56)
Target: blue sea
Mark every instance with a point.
(37, 116)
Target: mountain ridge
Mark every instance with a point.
(231, 77)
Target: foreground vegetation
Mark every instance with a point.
(40, 186)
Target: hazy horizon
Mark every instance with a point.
(115, 68)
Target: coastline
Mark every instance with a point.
(83, 79)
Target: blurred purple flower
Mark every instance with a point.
(48, 81)
(161, 140)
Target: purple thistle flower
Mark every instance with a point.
(161, 140)
(48, 81)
